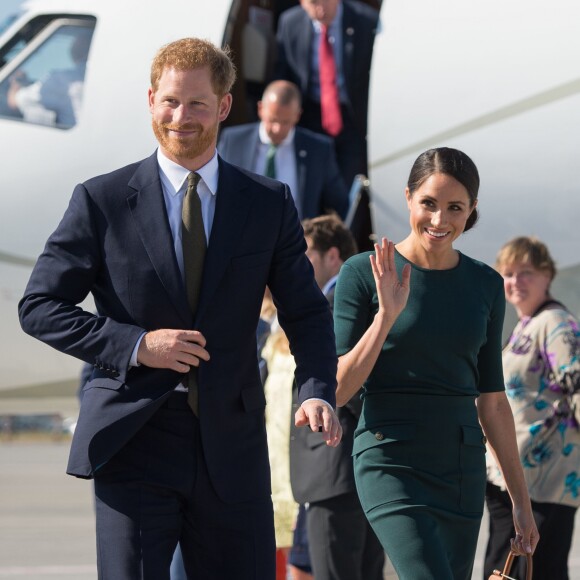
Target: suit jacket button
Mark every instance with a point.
(484, 439)
(379, 436)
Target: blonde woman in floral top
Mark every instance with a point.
(541, 365)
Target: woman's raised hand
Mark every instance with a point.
(392, 292)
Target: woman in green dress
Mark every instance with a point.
(418, 325)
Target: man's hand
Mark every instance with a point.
(320, 417)
(178, 350)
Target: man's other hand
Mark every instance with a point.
(319, 416)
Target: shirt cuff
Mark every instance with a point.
(133, 360)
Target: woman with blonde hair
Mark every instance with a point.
(541, 365)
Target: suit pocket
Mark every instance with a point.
(104, 383)
(313, 439)
(250, 261)
(472, 457)
(254, 398)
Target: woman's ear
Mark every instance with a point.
(408, 196)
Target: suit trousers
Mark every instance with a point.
(343, 545)
(556, 527)
(156, 492)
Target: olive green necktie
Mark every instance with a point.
(270, 170)
(194, 247)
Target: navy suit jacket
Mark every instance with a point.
(295, 39)
(321, 188)
(114, 241)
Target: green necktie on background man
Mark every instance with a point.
(271, 162)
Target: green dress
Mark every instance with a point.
(419, 452)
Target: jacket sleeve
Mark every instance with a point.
(303, 311)
(64, 275)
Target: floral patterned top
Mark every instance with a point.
(541, 364)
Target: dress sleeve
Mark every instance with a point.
(489, 363)
(352, 307)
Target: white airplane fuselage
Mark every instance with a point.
(498, 80)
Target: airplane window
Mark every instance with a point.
(23, 37)
(45, 86)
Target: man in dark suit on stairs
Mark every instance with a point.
(325, 47)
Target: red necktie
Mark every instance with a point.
(329, 101)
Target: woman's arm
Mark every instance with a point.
(497, 421)
(355, 366)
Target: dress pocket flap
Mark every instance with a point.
(473, 436)
(383, 434)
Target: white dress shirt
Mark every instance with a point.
(284, 161)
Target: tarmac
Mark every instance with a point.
(46, 517)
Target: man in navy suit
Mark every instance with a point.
(351, 27)
(304, 160)
(166, 471)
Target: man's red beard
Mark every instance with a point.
(186, 147)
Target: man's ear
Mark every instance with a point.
(151, 98)
(333, 256)
(224, 107)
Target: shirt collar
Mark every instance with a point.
(177, 174)
(265, 140)
(329, 285)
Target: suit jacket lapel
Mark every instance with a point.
(304, 50)
(231, 212)
(250, 148)
(150, 214)
(302, 166)
(348, 45)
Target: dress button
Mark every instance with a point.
(484, 439)
(379, 436)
